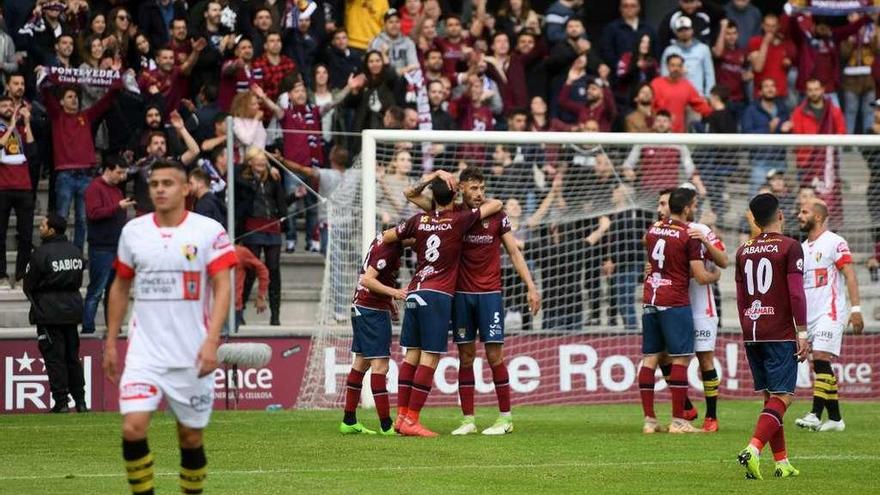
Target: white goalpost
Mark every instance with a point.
(579, 203)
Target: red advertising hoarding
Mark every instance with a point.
(570, 369)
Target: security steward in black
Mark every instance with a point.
(52, 284)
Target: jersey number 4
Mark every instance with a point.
(657, 254)
(764, 275)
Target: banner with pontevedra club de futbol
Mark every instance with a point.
(562, 369)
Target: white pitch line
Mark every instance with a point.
(579, 465)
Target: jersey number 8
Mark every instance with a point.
(432, 253)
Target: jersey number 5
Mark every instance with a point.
(764, 275)
(657, 254)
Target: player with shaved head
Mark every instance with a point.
(827, 269)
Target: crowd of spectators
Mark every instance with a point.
(301, 79)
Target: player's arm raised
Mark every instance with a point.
(117, 305)
(371, 282)
(490, 207)
(414, 194)
(519, 263)
(390, 236)
(852, 287)
(221, 288)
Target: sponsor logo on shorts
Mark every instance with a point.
(138, 391)
(461, 333)
(201, 403)
(758, 310)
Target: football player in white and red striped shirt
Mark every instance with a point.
(179, 262)
(827, 268)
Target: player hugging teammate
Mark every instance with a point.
(457, 286)
(677, 251)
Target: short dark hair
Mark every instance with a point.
(211, 91)
(680, 198)
(500, 33)
(443, 195)
(220, 118)
(216, 152)
(518, 111)
(153, 134)
(815, 79)
(65, 35)
(272, 32)
(674, 55)
(57, 223)
(432, 50)
(114, 161)
(471, 174)
(164, 163)
(722, 92)
(63, 90)
(573, 19)
(179, 18)
(764, 207)
(663, 113)
(454, 16)
(5, 98)
(668, 190)
(732, 24)
(200, 175)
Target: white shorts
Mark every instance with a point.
(826, 335)
(190, 398)
(705, 332)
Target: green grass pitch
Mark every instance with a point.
(555, 449)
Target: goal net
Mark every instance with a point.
(579, 204)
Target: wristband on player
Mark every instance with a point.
(855, 309)
(802, 335)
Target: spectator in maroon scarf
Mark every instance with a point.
(301, 127)
(237, 75)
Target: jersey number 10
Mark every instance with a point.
(764, 275)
